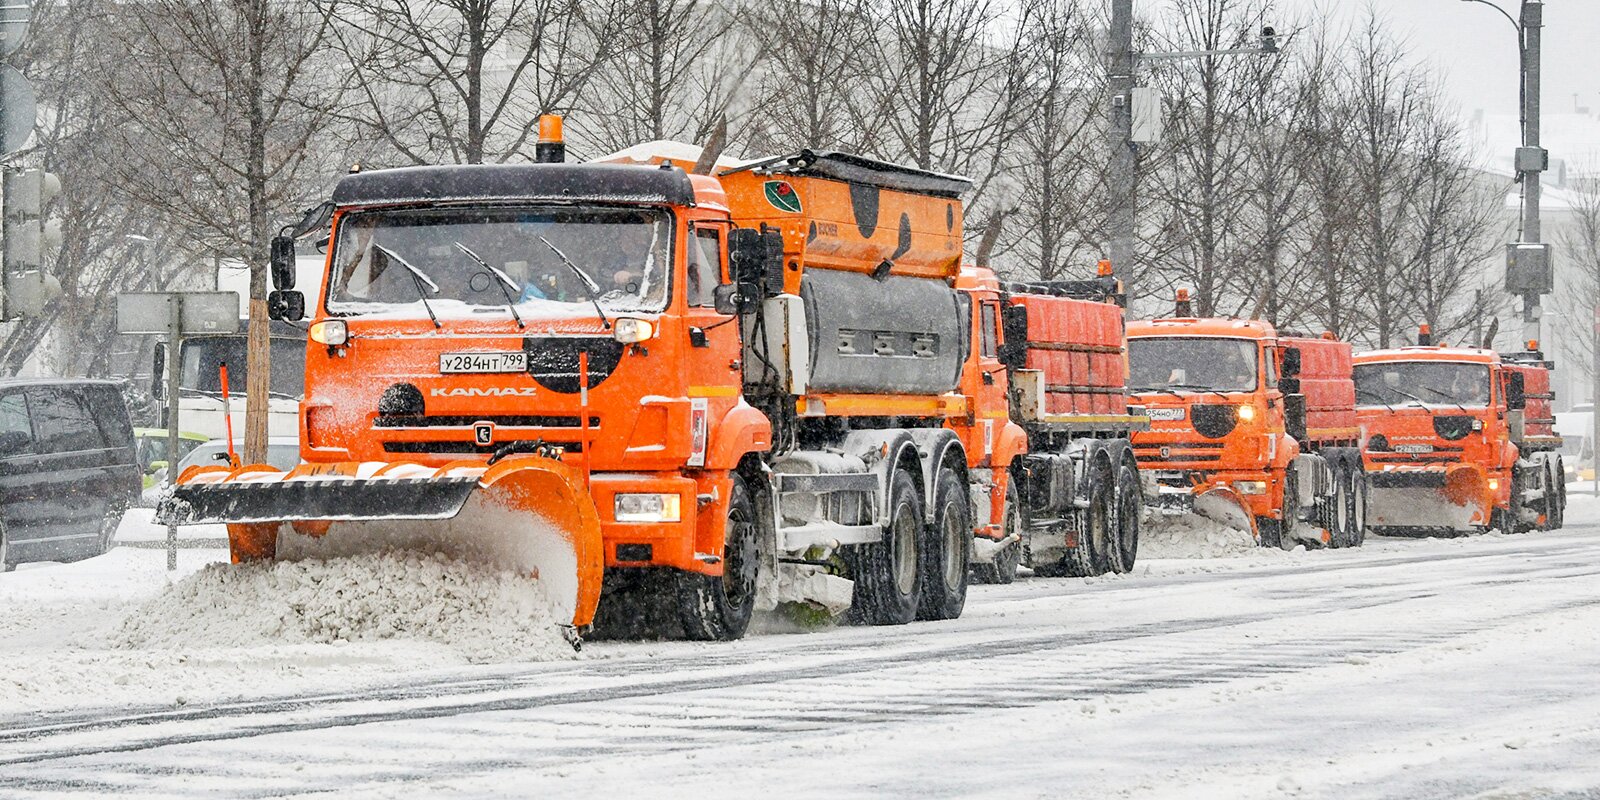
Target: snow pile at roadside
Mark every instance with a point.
(1193, 537)
(484, 613)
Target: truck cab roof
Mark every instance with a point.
(1203, 326)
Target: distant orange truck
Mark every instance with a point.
(1250, 427)
(1460, 439)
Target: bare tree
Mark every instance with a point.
(818, 57)
(465, 81)
(107, 245)
(1055, 160)
(1206, 182)
(221, 105)
(679, 74)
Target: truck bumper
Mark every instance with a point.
(692, 542)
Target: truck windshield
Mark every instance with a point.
(203, 357)
(1438, 382)
(1192, 363)
(625, 252)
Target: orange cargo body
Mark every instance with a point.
(1078, 346)
(1539, 416)
(1325, 381)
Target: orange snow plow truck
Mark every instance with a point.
(1460, 439)
(772, 384)
(1249, 427)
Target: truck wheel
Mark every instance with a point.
(1279, 533)
(886, 572)
(1124, 547)
(1004, 567)
(1340, 505)
(719, 608)
(1560, 471)
(1088, 557)
(1358, 502)
(946, 554)
(5, 551)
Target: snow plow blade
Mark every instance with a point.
(1456, 498)
(1218, 504)
(529, 513)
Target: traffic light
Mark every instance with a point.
(25, 237)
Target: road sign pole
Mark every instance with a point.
(174, 370)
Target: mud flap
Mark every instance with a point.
(528, 513)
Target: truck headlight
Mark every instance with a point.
(331, 332)
(1247, 413)
(1251, 487)
(647, 508)
(632, 331)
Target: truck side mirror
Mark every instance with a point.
(756, 258)
(1516, 392)
(282, 263)
(1014, 327)
(1291, 362)
(286, 305)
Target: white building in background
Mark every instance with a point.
(1572, 135)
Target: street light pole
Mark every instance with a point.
(1121, 217)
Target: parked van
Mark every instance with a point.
(68, 468)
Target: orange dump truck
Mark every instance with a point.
(772, 384)
(1249, 427)
(1460, 439)
(1073, 495)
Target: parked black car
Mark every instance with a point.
(68, 468)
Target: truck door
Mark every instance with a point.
(713, 349)
(991, 399)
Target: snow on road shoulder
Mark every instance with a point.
(485, 614)
(119, 629)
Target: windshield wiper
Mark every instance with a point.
(1143, 389)
(1419, 401)
(1195, 387)
(1448, 398)
(418, 278)
(507, 286)
(1375, 396)
(583, 277)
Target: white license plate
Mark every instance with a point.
(1413, 449)
(1166, 414)
(483, 362)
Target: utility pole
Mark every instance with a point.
(1532, 159)
(1122, 66)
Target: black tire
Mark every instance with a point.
(1359, 500)
(1089, 556)
(1127, 506)
(1514, 514)
(885, 572)
(719, 608)
(5, 550)
(947, 551)
(1006, 562)
(1561, 493)
(1341, 505)
(1271, 532)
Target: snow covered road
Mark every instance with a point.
(1408, 669)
